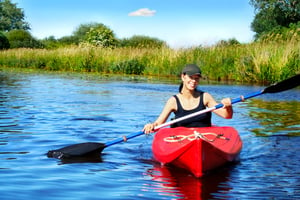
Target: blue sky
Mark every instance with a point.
(182, 23)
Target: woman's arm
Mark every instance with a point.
(170, 106)
(225, 112)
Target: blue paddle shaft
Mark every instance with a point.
(241, 98)
(119, 140)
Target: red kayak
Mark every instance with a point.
(198, 150)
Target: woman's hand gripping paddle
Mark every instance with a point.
(93, 148)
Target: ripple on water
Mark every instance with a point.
(41, 112)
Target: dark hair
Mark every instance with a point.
(180, 87)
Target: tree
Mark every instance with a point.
(229, 42)
(50, 42)
(272, 14)
(101, 36)
(22, 39)
(79, 34)
(142, 42)
(11, 17)
(68, 40)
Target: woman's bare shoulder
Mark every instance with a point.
(208, 100)
(171, 103)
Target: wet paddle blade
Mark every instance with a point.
(77, 150)
(284, 85)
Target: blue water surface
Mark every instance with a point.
(40, 112)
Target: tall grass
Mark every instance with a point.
(268, 60)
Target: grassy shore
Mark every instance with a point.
(264, 61)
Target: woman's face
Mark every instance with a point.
(191, 82)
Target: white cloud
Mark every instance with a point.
(144, 12)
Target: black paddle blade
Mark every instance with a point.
(284, 85)
(77, 150)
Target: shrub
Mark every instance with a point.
(128, 67)
(22, 39)
(142, 42)
(101, 36)
(4, 43)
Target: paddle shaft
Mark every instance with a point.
(278, 87)
(119, 140)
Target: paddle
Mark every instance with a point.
(94, 148)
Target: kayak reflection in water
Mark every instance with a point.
(190, 100)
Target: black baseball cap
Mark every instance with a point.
(191, 69)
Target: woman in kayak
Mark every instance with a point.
(190, 100)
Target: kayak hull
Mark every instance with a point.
(198, 150)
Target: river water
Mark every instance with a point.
(40, 112)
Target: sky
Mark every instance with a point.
(180, 23)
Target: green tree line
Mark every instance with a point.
(15, 33)
(93, 47)
(270, 16)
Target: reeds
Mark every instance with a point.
(263, 61)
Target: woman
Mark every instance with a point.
(190, 100)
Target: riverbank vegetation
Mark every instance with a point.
(93, 47)
(274, 57)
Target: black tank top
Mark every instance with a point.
(203, 120)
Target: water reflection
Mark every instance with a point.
(275, 117)
(39, 112)
(11, 102)
(96, 118)
(175, 182)
(82, 159)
